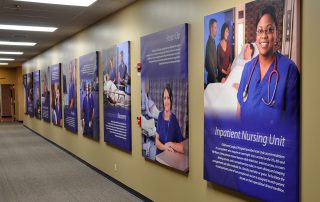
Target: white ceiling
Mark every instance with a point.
(69, 20)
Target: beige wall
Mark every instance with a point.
(153, 181)
(19, 88)
(8, 76)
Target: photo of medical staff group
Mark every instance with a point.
(45, 93)
(251, 65)
(25, 85)
(70, 95)
(89, 95)
(30, 108)
(56, 105)
(116, 76)
(36, 94)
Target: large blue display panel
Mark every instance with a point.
(30, 108)
(164, 91)
(70, 96)
(89, 95)
(45, 93)
(36, 94)
(25, 92)
(117, 96)
(56, 105)
(252, 101)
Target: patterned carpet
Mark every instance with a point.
(7, 119)
(32, 169)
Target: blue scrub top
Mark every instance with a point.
(287, 95)
(46, 96)
(112, 74)
(169, 131)
(86, 107)
(122, 70)
(58, 114)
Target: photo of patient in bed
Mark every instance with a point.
(113, 95)
(229, 55)
(234, 26)
(115, 79)
(220, 99)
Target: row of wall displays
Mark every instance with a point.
(164, 92)
(46, 98)
(252, 99)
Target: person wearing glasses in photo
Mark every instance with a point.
(269, 90)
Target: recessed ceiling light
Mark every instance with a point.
(3, 63)
(11, 43)
(84, 3)
(28, 28)
(10, 53)
(7, 59)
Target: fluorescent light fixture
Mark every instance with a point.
(3, 63)
(28, 28)
(11, 43)
(7, 59)
(84, 3)
(10, 53)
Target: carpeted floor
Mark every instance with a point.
(32, 169)
(7, 119)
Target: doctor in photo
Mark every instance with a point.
(269, 90)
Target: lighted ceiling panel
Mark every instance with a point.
(69, 20)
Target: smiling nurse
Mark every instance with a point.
(168, 136)
(269, 90)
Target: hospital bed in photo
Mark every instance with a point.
(115, 96)
(220, 99)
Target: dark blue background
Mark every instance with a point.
(92, 59)
(158, 40)
(231, 180)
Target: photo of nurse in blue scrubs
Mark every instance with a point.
(168, 136)
(252, 120)
(269, 86)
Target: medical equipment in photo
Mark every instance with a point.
(271, 100)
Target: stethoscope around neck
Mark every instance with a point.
(271, 100)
